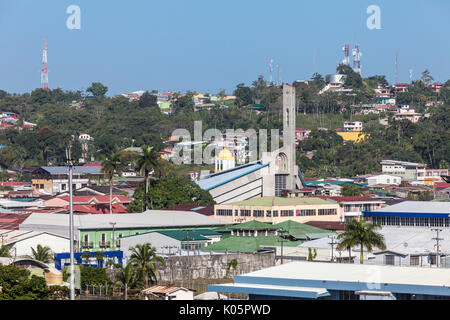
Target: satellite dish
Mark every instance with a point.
(405, 244)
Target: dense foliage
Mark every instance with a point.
(17, 284)
(117, 123)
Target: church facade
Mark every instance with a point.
(274, 172)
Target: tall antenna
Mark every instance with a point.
(411, 75)
(315, 61)
(271, 69)
(346, 50)
(279, 78)
(396, 67)
(44, 70)
(357, 59)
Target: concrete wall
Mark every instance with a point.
(213, 266)
(55, 243)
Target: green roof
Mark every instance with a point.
(182, 235)
(247, 244)
(164, 105)
(302, 231)
(278, 201)
(253, 225)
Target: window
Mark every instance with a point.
(258, 213)
(287, 213)
(41, 186)
(275, 213)
(245, 213)
(86, 238)
(63, 186)
(280, 184)
(390, 259)
(308, 212)
(224, 212)
(268, 213)
(414, 260)
(326, 212)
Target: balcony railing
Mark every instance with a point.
(104, 244)
(87, 244)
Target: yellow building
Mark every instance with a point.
(276, 210)
(354, 136)
(224, 161)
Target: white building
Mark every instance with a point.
(384, 179)
(224, 161)
(350, 126)
(22, 241)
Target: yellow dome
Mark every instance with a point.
(225, 154)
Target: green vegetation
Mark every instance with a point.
(43, 254)
(144, 259)
(117, 123)
(18, 284)
(362, 234)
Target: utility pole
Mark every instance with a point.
(282, 240)
(437, 245)
(70, 163)
(113, 235)
(332, 246)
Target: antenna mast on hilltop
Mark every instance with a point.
(357, 59)
(346, 50)
(271, 69)
(44, 70)
(396, 67)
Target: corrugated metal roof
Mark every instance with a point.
(162, 289)
(214, 180)
(148, 219)
(417, 207)
(76, 170)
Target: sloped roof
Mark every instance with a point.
(253, 225)
(217, 179)
(278, 201)
(302, 231)
(76, 170)
(247, 244)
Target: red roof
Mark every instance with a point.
(11, 221)
(13, 183)
(97, 199)
(205, 210)
(441, 185)
(350, 199)
(328, 225)
(99, 208)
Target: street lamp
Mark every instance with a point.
(113, 235)
(70, 163)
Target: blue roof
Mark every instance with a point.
(65, 170)
(217, 179)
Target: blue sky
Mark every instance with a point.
(209, 45)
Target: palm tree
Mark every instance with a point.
(86, 256)
(5, 251)
(362, 234)
(110, 166)
(126, 277)
(43, 254)
(232, 265)
(146, 163)
(144, 258)
(99, 256)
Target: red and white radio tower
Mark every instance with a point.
(44, 70)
